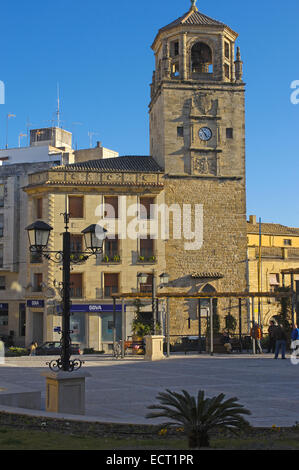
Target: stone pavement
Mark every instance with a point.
(119, 391)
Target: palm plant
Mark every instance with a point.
(199, 416)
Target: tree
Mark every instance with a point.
(284, 318)
(199, 416)
(230, 322)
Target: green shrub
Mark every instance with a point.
(16, 352)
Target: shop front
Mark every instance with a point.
(91, 325)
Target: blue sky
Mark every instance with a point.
(100, 54)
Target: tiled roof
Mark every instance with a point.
(272, 229)
(126, 164)
(213, 275)
(193, 17)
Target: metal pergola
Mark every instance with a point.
(199, 296)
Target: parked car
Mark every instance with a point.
(52, 348)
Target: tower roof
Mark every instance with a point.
(194, 17)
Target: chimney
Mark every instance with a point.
(252, 219)
(99, 144)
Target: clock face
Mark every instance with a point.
(205, 133)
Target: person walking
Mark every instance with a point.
(295, 337)
(32, 348)
(271, 344)
(280, 341)
(256, 335)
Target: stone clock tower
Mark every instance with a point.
(197, 134)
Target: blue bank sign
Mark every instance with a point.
(92, 308)
(35, 303)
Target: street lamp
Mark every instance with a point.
(39, 233)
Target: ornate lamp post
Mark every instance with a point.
(39, 233)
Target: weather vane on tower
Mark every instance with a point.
(193, 5)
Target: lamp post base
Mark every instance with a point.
(65, 392)
(154, 348)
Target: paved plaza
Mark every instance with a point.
(119, 391)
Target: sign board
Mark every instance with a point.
(35, 303)
(92, 308)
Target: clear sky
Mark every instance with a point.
(99, 52)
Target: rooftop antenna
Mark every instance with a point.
(91, 134)
(28, 125)
(20, 136)
(58, 106)
(76, 124)
(8, 116)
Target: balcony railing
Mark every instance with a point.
(277, 252)
(76, 292)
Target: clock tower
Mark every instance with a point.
(197, 98)
(197, 134)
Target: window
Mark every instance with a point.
(111, 207)
(287, 242)
(37, 282)
(227, 71)
(148, 285)
(180, 131)
(174, 48)
(1, 225)
(22, 319)
(39, 208)
(273, 281)
(1, 195)
(76, 243)
(76, 207)
(227, 50)
(3, 315)
(147, 250)
(229, 133)
(110, 284)
(176, 69)
(1, 256)
(145, 207)
(2, 283)
(76, 285)
(111, 250)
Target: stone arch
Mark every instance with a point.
(201, 57)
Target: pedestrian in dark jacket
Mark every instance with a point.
(271, 345)
(280, 342)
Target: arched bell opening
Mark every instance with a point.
(201, 58)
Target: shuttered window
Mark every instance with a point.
(111, 207)
(110, 284)
(76, 285)
(76, 207)
(145, 207)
